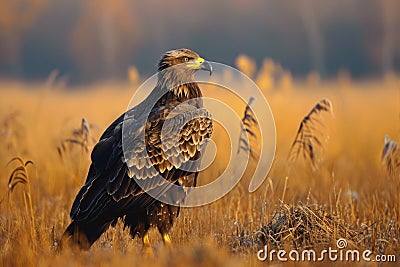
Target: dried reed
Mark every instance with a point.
(20, 175)
(391, 157)
(248, 122)
(81, 136)
(308, 138)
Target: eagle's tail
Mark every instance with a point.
(75, 236)
(82, 235)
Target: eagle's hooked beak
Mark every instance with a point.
(205, 65)
(202, 64)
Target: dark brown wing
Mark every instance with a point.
(110, 181)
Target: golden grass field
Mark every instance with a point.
(351, 184)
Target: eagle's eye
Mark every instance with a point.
(185, 59)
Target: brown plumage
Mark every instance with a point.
(110, 191)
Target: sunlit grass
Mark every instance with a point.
(351, 183)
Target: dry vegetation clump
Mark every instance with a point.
(311, 226)
(301, 226)
(306, 225)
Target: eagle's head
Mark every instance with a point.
(183, 61)
(176, 70)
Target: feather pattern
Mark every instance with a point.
(164, 135)
(184, 127)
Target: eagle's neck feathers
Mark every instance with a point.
(181, 85)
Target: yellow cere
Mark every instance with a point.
(196, 63)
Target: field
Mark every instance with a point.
(351, 194)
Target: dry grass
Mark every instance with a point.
(349, 195)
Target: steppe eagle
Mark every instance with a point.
(111, 192)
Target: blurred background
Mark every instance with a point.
(88, 41)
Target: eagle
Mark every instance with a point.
(111, 191)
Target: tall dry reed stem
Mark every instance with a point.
(20, 176)
(248, 122)
(308, 141)
(81, 136)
